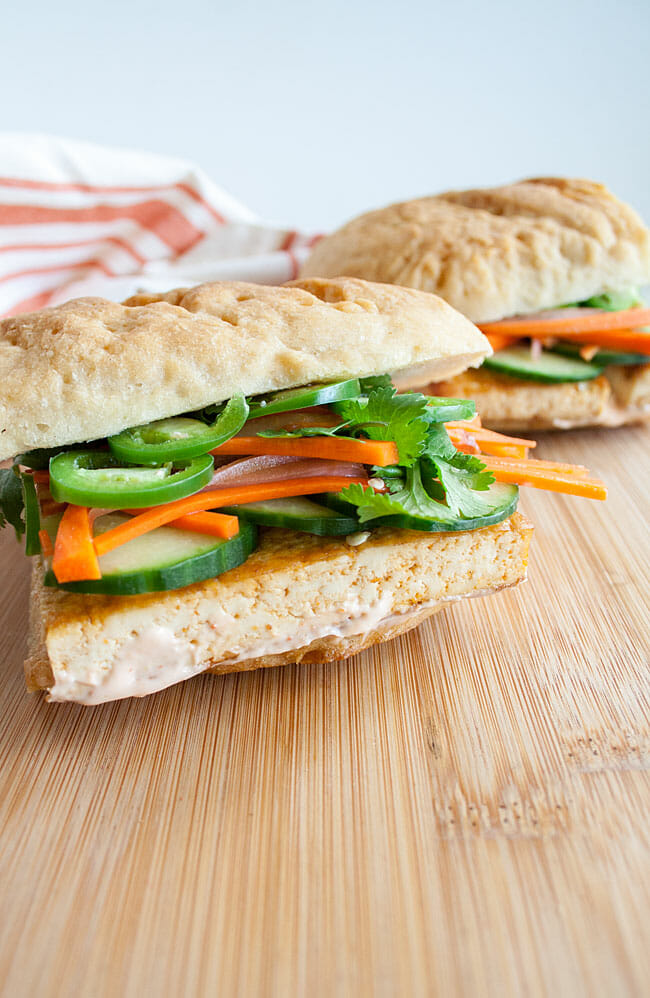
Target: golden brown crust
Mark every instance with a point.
(90, 368)
(619, 396)
(290, 586)
(497, 252)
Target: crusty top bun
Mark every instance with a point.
(497, 252)
(91, 368)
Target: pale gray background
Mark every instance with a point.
(310, 113)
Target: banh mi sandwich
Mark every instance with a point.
(224, 478)
(549, 269)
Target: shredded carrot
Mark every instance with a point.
(499, 340)
(554, 477)
(378, 452)
(573, 322)
(213, 499)
(625, 340)
(46, 544)
(482, 433)
(74, 555)
(613, 330)
(488, 441)
(559, 467)
(465, 424)
(212, 524)
(464, 441)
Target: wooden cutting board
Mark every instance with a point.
(464, 811)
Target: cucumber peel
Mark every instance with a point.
(549, 368)
(299, 514)
(164, 559)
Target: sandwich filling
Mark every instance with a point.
(573, 343)
(137, 512)
(181, 501)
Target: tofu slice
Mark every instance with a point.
(619, 396)
(298, 598)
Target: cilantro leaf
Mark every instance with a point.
(305, 431)
(463, 479)
(444, 484)
(385, 415)
(11, 501)
(438, 444)
(411, 500)
(461, 476)
(610, 301)
(614, 301)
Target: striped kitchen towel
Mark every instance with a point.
(81, 219)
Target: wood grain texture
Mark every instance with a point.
(464, 811)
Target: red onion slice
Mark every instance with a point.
(316, 416)
(273, 468)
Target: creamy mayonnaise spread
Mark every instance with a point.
(155, 657)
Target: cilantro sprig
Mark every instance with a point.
(11, 501)
(385, 415)
(431, 480)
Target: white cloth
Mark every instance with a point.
(80, 219)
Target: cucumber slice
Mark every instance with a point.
(604, 357)
(165, 558)
(551, 368)
(503, 497)
(298, 514)
(303, 398)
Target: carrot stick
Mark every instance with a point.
(548, 475)
(74, 555)
(378, 452)
(466, 424)
(499, 340)
(475, 445)
(213, 499)
(464, 441)
(46, 544)
(625, 340)
(482, 433)
(212, 524)
(488, 441)
(559, 467)
(630, 318)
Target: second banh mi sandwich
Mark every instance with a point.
(347, 513)
(549, 269)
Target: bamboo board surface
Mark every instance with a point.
(465, 811)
